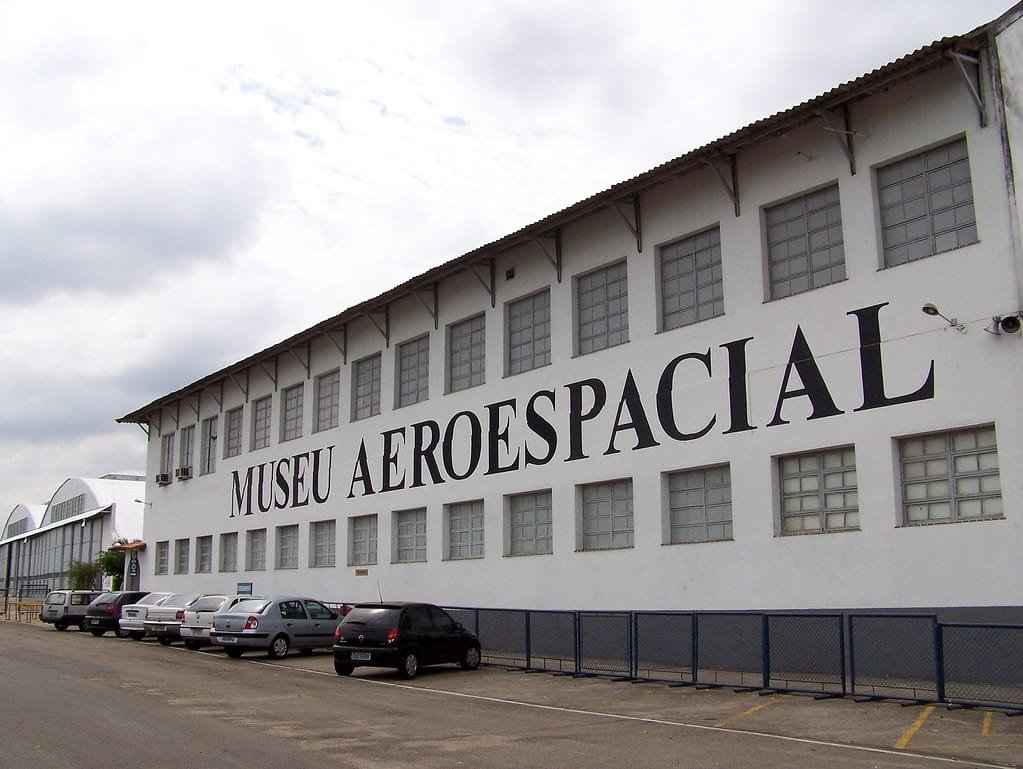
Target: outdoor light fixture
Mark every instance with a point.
(933, 311)
(1005, 324)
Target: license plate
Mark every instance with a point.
(226, 639)
(158, 628)
(362, 656)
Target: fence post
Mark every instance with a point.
(529, 639)
(765, 662)
(578, 642)
(696, 646)
(939, 660)
(633, 645)
(841, 649)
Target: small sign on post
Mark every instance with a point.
(243, 588)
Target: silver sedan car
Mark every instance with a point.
(274, 625)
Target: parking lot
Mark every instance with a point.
(876, 733)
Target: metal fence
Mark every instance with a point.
(910, 657)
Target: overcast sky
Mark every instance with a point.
(184, 184)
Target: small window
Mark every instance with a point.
(529, 523)
(203, 554)
(465, 529)
(366, 387)
(805, 249)
(951, 476)
(209, 446)
(529, 332)
(818, 492)
(410, 535)
(607, 520)
(291, 412)
(328, 400)
(229, 551)
(322, 543)
(467, 342)
(181, 556)
(255, 550)
(602, 306)
(287, 547)
(700, 505)
(233, 433)
(261, 411)
(162, 560)
(362, 539)
(187, 446)
(926, 204)
(413, 371)
(692, 286)
(167, 454)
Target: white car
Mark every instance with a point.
(134, 615)
(164, 621)
(198, 618)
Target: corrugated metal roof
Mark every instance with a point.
(911, 65)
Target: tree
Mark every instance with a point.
(84, 575)
(111, 563)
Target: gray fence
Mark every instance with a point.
(910, 657)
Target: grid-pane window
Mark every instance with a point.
(255, 550)
(291, 412)
(467, 353)
(529, 519)
(287, 547)
(602, 301)
(322, 537)
(818, 491)
(692, 287)
(607, 515)
(328, 400)
(950, 476)
(162, 560)
(362, 549)
(203, 554)
(700, 505)
(926, 204)
(187, 446)
(804, 243)
(465, 529)
(233, 433)
(229, 551)
(167, 454)
(529, 332)
(209, 446)
(181, 556)
(366, 387)
(410, 535)
(261, 410)
(414, 371)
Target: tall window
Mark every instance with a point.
(255, 550)
(467, 349)
(162, 560)
(261, 410)
(607, 515)
(602, 306)
(951, 476)
(529, 332)
(167, 454)
(529, 523)
(287, 547)
(229, 551)
(413, 371)
(322, 541)
(818, 491)
(203, 554)
(804, 243)
(233, 433)
(926, 204)
(362, 538)
(328, 400)
(692, 287)
(465, 529)
(291, 412)
(181, 556)
(366, 387)
(209, 445)
(700, 505)
(410, 535)
(187, 446)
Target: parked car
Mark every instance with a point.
(405, 636)
(134, 615)
(163, 622)
(198, 618)
(274, 625)
(64, 608)
(104, 612)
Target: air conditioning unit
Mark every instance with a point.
(162, 479)
(183, 473)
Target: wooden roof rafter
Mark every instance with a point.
(636, 224)
(489, 282)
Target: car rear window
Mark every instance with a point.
(81, 599)
(180, 599)
(52, 598)
(251, 606)
(151, 599)
(373, 617)
(105, 598)
(208, 603)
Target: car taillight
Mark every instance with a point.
(214, 622)
(66, 609)
(337, 633)
(251, 623)
(180, 615)
(392, 635)
(110, 608)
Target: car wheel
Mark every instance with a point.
(342, 668)
(121, 633)
(409, 666)
(97, 632)
(164, 640)
(193, 645)
(60, 625)
(136, 635)
(81, 626)
(470, 658)
(278, 647)
(233, 653)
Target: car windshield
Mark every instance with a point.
(251, 606)
(208, 603)
(55, 598)
(180, 599)
(373, 616)
(152, 598)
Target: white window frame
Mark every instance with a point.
(528, 335)
(182, 555)
(691, 280)
(412, 382)
(602, 308)
(204, 554)
(322, 543)
(286, 547)
(410, 531)
(529, 526)
(161, 561)
(805, 242)
(463, 522)
(606, 517)
(187, 447)
(818, 484)
(328, 401)
(366, 374)
(698, 505)
(262, 420)
(362, 540)
(228, 561)
(467, 353)
(255, 550)
(209, 446)
(233, 426)
(292, 405)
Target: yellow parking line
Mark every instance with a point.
(985, 727)
(731, 720)
(914, 727)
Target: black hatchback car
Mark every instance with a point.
(103, 613)
(405, 636)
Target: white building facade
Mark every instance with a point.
(709, 387)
